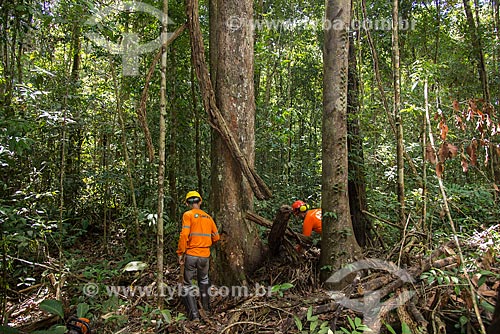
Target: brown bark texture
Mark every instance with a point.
(338, 244)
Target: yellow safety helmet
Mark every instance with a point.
(193, 193)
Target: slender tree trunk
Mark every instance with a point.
(7, 89)
(423, 219)
(357, 184)
(172, 145)
(338, 244)
(240, 248)
(120, 93)
(478, 49)
(380, 86)
(496, 51)
(161, 152)
(397, 112)
(197, 134)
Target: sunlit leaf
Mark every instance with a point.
(53, 307)
(135, 266)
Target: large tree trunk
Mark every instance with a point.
(357, 181)
(232, 71)
(478, 50)
(338, 244)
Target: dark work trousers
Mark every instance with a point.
(194, 265)
(198, 266)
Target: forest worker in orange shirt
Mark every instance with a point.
(197, 235)
(311, 218)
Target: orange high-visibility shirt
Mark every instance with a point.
(197, 234)
(312, 222)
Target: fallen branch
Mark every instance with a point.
(382, 220)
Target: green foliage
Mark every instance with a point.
(356, 326)
(53, 307)
(315, 325)
(82, 310)
(281, 288)
(405, 329)
(8, 330)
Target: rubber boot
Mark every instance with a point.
(191, 307)
(205, 296)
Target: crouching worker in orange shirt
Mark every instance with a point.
(312, 219)
(197, 235)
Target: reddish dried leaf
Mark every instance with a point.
(459, 122)
(452, 151)
(473, 159)
(439, 169)
(496, 187)
(481, 115)
(474, 144)
(471, 151)
(456, 105)
(443, 152)
(479, 126)
(443, 127)
(473, 105)
(473, 154)
(464, 163)
(429, 154)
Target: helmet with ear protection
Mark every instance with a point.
(299, 206)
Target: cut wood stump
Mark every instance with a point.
(275, 238)
(281, 221)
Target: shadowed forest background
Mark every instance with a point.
(95, 161)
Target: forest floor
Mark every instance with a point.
(430, 295)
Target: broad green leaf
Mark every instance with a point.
(389, 327)
(167, 316)
(312, 326)
(309, 313)
(487, 306)
(298, 323)
(405, 329)
(53, 307)
(82, 310)
(351, 323)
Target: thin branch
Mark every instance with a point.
(450, 219)
(141, 112)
